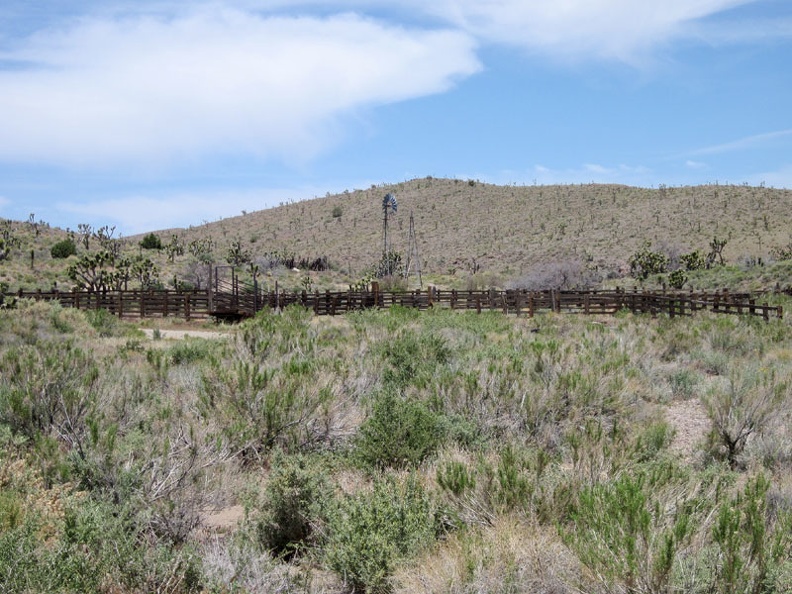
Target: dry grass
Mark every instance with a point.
(510, 556)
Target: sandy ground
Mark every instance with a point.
(179, 334)
(689, 419)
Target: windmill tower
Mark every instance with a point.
(413, 257)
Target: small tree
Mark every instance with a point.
(645, 262)
(175, 247)
(8, 240)
(693, 261)
(151, 242)
(237, 255)
(716, 251)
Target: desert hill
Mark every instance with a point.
(464, 227)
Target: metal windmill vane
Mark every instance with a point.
(389, 206)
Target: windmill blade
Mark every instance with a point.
(389, 202)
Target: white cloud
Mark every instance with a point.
(748, 142)
(215, 81)
(690, 164)
(580, 29)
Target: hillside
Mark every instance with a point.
(464, 226)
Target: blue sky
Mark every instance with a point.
(154, 114)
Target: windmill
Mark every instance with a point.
(389, 206)
(413, 257)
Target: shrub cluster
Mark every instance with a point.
(396, 451)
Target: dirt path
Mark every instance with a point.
(179, 334)
(690, 422)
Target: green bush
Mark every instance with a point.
(626, 530)
(398, 433)
(751, 550)
(371, 532)
(294, 504)
(63, 249)
(151, 242)
(48, 390)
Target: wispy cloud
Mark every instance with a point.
(143, 212)
(216, 81)
(746, 143)
(637, 175)
(623, 30)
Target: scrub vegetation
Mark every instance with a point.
(468, 235)
(396, 451)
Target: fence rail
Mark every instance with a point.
(240, 301)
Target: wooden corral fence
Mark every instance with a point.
(238, 301)
(129, 304)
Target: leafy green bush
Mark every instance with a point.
(63, 249)
(293, 505)
(371, 532)
(399, 432)
(151, 242)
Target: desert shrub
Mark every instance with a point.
(412, 359)
(48, 390)
(191, 351)
(455, 477)
(683, 384)
(151, 242)
(565, 275)
(258, 408)
(294, 505)
(105, 323)
(740, 408)
(399, 432)
(63, 249)
(370, 533)
(94, 547)
(752, 553)
(631, 529)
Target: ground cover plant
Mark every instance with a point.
(396, 451)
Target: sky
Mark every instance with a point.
(151, 114)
